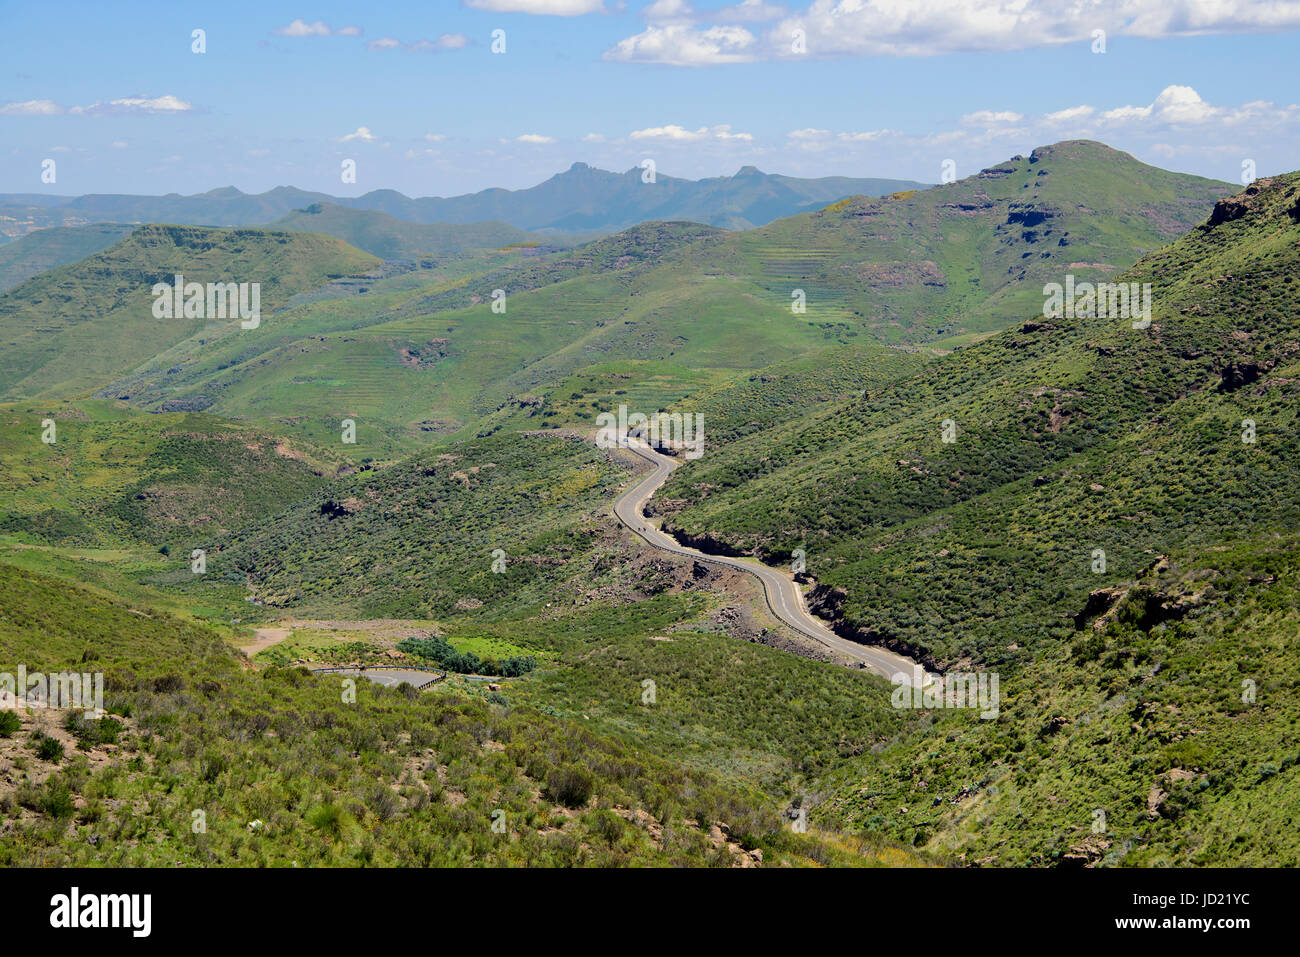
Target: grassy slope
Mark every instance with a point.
(414, 363)
(1073, 436)
(387, 780)
(57, 246)
(116, 476)
(66, 332)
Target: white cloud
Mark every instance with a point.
(124, 105)
(32, 108)
(683, 45)
(135, 104)
(808, 133)
(350, 32)
(991, 118)
(928, 27)
(1070, 114)
(677, 133)
(867, 136)
(300, 28)
(553, 8)
(448, 41)
(594, 138)
(362, 133)
(1175, 104)
(534, 138)
(434, 137)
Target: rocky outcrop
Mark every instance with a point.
(827, 603)
(1235, 207)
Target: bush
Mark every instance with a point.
(49, 749)
(571, 785)
(9, 723)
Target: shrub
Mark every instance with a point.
(9, 723)
(49, 749)
(571, 785)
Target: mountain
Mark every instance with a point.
(56, 246)
(68, 330)
(664, 310)
(1112, 529)
(580, 200)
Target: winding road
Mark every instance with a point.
(783, 595)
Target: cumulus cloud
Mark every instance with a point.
(122, 106)
(679, 44)
(361, 134)
(448, 41)
(867, 136)
(534, 138)
(677, 35)
(553, 8)
(1174, 106)
(32, 108)
(991, 118)
(317, 28)
(677, 133)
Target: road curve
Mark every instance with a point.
(783, 595)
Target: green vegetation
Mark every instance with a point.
(55, 246)
(67, 331)
(386, 780)
(1113, 532)
(441, 651)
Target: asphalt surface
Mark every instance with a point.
(784, 598)
(389, 677)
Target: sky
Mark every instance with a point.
(444, 97)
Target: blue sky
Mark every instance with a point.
(414, 93)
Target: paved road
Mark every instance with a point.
(389, 677)
(783, 595)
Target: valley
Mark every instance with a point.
(390, 470)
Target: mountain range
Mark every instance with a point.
(582, 199)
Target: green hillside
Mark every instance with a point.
(1073, 436)
(67, 331)
(417, 360)
(46, 248)
(1112, 530)
(115, 475)
(287, 772)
